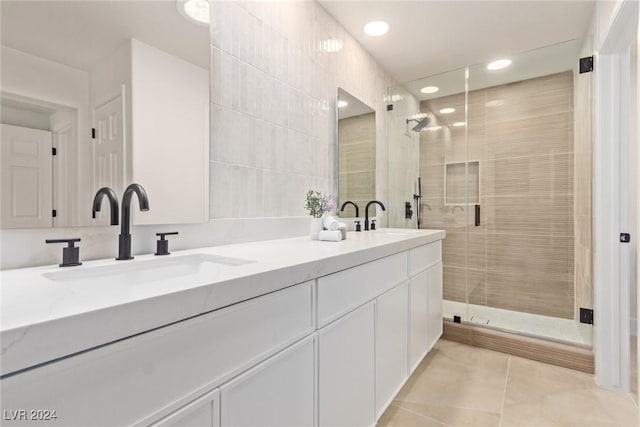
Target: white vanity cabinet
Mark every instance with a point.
(347, 371)
(279, 392)
(203, 412)
(144, 378)
(434, 299)
(376, 322)
(333, 351)
(392, 326)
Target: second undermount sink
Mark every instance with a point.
(146, 271)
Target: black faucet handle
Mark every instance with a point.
(373, 224)
(358, 228)
(70, 254)
(162, 245)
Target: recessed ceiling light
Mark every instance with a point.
(459, 124)
(430, 89)
(447, 110)
(196, 11)
(432, 129)
(342, 104)
(495, 103)
(499, 64)
(376, 28)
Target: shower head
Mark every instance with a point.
(420, 123)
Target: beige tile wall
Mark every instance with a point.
(357, 164)
(521, 257)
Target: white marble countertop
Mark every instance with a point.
(44, 319)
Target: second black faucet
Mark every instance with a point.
(366, 213)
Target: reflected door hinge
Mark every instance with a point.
(389, 107)
(625, 237)
(54, 213)
(93, 133)
(586, 315)
(586, 64)
(54, 151)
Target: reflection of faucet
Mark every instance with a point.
(113, 203)
(453, 211)
(366, 213)
(124, 246)
(349, 202)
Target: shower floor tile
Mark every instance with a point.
(564, 330)
(460, 385)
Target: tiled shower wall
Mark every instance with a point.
(276, 68)
(520, 257)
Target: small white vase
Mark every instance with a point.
(315, 228)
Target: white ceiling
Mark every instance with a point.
(431, 37)
(79, 33)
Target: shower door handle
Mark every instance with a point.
(477, 215)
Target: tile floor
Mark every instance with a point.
(460, 385)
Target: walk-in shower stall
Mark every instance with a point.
(503, 157)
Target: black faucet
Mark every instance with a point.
(113, 203)
(124, 244)
(349, 202)
(366, 213)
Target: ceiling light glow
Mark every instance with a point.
(460, 124)
(196, 11)
(376, 28)
(495, 103)
(331, 45)
(498, 64)
(430, 89)
(447, 110)
(342, 104)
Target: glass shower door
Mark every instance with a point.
(428, 142)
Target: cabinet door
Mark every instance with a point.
(434, 285)
(418, 327)
(279, 392)
(203, 412)
(346, 370)
(391, 344)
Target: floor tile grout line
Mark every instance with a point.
(504, 394)
(465, 408)
(633, 400)
(421, 415)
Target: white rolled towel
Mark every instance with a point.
(330, 223)
(330, 236)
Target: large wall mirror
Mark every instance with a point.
(119, 91)
(356, 153)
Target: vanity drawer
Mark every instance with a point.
(423, 257)
(341, 292)
(157, 372)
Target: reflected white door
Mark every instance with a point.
(27, 194)
(108, 148)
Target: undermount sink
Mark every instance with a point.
(145, 271)
(399, 231)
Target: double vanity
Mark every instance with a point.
(290, 332)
